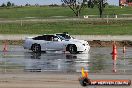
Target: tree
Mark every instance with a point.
(12, 4)
(9, 4)
(90, 4)
(101, 8)
(100, 4)
(27, 4)
(3, 5)
(75, 5)
(63, 5)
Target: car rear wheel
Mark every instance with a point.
(72, 49)
(36, 48)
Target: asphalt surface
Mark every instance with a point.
(53, 80)
(57, 80)
(16, 58)
(21, 79)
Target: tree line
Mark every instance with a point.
(8, 4)
(75, 5)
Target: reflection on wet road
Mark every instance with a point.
(98, 60)
(56, 62)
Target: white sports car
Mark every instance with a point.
(56, 42)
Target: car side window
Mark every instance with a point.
(46, 37)
(50, 38)
(40, 38)
(55, 38)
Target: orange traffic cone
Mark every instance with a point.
(5, 46)
(114, 52)
(84, 74)
(124, 49)
(114, 57)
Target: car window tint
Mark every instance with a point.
(40, 38)
(49, 37)
(44, 37)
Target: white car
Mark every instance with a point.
(55, 42)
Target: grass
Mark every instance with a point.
(73, 27)
(38, 12)
(47, 12)
(82, 27)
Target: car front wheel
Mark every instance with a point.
(36, 48)
(72, 49)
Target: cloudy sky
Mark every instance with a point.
(46, 2)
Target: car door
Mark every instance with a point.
(42, 41)
(55, 44)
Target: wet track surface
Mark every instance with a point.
(16, 59)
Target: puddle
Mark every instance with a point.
(98, 60)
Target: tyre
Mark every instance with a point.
(72, 49)
(85, 81)
(36, 48)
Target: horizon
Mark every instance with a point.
(46, 2)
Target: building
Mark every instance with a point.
(125, 2)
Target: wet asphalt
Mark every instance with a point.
(98, 60)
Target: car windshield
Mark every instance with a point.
(66, 36)
(62, 38)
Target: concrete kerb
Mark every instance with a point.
(84, 37)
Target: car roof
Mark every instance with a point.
(50, 34)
